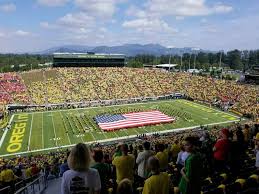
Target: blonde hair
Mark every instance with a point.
(125, 187)
(79, 157)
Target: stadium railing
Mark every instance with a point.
(36, 186)
(5, 190)
(93, 103)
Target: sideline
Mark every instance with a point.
(5, 132)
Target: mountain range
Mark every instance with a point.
(126, 49)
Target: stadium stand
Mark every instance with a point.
(83, 84)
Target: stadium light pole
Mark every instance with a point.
(170, 52)
(190, 61)
(181, 63)
(194, 63)
(220, 66)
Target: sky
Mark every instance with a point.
(36, 25)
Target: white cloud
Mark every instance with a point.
(220, 8)
(179, 8)
(76, 20)
(53, 3)
(149, 25)
(44, 24)
(98, 8)
(22, 33)
(10, 7)
(179, 18)
(2, 35)
(102, 29)
(135, 11)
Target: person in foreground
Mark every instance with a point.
(158, 182)
(125, 187)
(80, 178)
(191, 172)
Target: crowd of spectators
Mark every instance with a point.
(12, 89)
(63, 85)
(188, 162)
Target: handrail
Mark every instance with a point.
(40, 180)
(3, 190)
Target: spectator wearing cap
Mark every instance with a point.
(221, 150)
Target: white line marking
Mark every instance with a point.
(118, 138)
(62, 118)
(5, 132)
(74, 123)
(54, 130)
(29, 140)
(213, 108)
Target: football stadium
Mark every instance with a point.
(47, 112)
(93, 100)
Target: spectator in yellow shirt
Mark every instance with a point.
(162, 157)
(158, 182)
(28, 172)
(7, 176)
(175, 149)
(124, 164)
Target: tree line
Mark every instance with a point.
(235, 59)
(22, 62)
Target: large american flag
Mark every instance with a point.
(136, 119)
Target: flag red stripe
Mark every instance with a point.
(137, 119)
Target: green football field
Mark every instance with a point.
(49, 130)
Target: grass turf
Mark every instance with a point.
(54, 129)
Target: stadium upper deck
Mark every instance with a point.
(88, 60)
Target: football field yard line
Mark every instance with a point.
(5, 132)
(54, 129)
(74, 124)
(100, 129)
(29, 140)
(211, 108)
(42, 138)
(136, 131)
(119, 138)
(126, 132)
(68, 138)
(62, 118)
